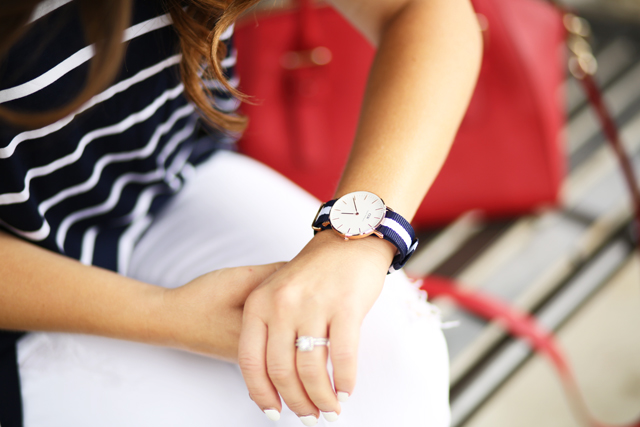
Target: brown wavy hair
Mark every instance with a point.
(199, 24)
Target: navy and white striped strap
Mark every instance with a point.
(398, 231)
(394, 229)
(321, 221)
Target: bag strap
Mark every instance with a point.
(520, 325)
(583, 66)
(612, 134)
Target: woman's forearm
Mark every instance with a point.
(41, 290)
(419, 88)
(44, 291)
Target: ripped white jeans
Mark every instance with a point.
(223, 218)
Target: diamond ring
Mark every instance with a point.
(308, 343)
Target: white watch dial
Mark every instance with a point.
(357, 214)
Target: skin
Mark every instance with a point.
(43, 291)
(422, 78)
(425, 69)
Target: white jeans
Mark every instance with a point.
(224, 217)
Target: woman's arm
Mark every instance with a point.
(44, 291)
(420, 84)
(419, 87)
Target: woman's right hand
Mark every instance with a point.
(205, 315)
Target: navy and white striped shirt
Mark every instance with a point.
(88, 185)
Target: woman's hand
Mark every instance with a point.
(205, 315)
(325, 291)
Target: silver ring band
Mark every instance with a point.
(308, 343)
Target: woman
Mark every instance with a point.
(93, 153)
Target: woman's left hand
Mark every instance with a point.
(325, 291)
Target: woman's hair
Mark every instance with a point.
(199, 24)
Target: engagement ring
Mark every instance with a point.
(308, 343)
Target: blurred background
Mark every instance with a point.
(573, 266)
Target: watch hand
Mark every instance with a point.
(354, 204)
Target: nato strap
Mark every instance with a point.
(321, 222)
(398, 231)
(394, 228)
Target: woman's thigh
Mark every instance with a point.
(233, 212)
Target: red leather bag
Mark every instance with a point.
(307, 69)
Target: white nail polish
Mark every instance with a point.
(330, 416)
(272, 414)
(309, 420)
(342, 396)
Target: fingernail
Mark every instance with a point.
(330, 416)
(309, 420)
(342, 396)
(272, 414)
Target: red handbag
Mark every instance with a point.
(307, 69)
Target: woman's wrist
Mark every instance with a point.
(175, 321)
(372, 247)
(162, 320)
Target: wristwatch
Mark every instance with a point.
(361, 214)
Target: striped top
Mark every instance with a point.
(88, 185)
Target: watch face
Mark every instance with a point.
(357, 214)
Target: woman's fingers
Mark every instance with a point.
(300, 377)
(290, 304)
(281, 367)
(312, 371)
(345, 335)
(252, 359)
